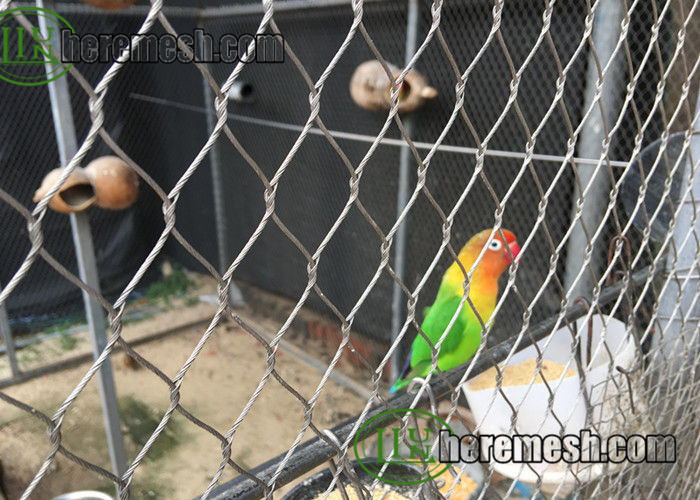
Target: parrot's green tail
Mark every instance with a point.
(399, 384)
(420, 370)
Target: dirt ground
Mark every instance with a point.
(215, 389)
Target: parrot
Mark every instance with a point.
(464, 337)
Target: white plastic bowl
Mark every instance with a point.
(84, 495)
(493, 413)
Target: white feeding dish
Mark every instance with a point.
(531, 398)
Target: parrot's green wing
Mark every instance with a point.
(460, 343)
(436, 321)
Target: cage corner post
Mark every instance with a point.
(593, 178)
(398, 301)
(679, 309)
(66, 141)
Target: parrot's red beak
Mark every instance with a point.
(514, 250)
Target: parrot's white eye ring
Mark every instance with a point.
(495, 245)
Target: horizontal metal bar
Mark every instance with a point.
(201, 13)
(315, 452)
(82, 358)
(257, 8)
(298, 353)
(686, 319)
(515, 155)
(74, 330)
(134, 11)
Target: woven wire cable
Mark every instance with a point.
(682, 384)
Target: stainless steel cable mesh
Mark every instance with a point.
(654, 62)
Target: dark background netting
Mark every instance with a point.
(160, 140)
(316, 177)
(164, 138)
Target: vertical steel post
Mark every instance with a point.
(84, 249)
(219, 194)
(606, 32)
(682, 267)
(217, 182)
(7, 339)
(398, 301)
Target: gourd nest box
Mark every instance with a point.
(370, 87)
(116, 185)
(75, 194)
(107, 182)
(110, 4)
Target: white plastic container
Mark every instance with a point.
(84, 495)
(494, 414)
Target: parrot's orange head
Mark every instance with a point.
(501, 251)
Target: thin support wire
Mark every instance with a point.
(387, 141)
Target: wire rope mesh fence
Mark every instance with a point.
(563, 134)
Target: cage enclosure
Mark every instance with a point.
(235, 233)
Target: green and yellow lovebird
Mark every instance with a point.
(464, 337)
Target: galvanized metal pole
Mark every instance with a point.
(219, 196)
(606, 32)
(84, 249)
(217, 182)
(398, 301)
(684, 286)
(7, 339)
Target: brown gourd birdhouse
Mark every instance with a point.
(370, 88)
(75, 194)
(110, 4)
(116, 184)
